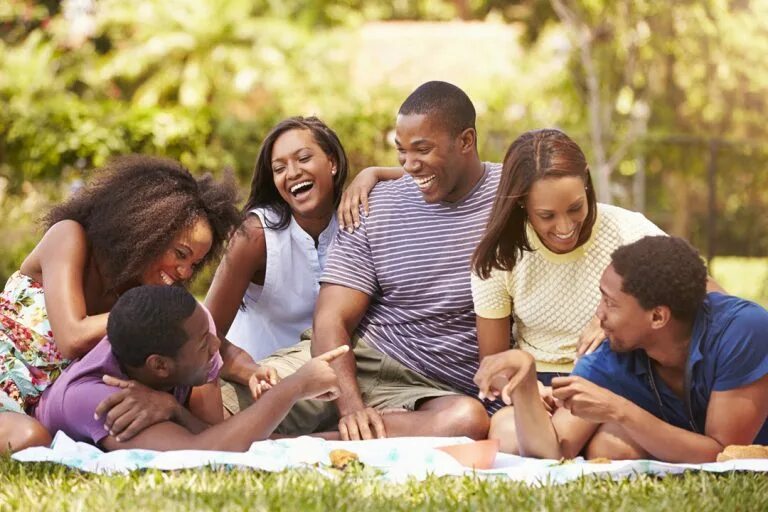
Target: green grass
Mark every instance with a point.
(51, 487)
(744, 277)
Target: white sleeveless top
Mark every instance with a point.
(278, 312)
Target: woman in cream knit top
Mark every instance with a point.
(545, 248)
(551, 297)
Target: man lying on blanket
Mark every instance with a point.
(160, 337)
(684, 374)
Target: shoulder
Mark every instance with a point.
(249, 236)
(616, 213)
(493, 177)
(392, 196)
(730, 333)
(66, 231)
(494, 168)
(602, 365)
(739, 320)
(388, 188)
(78, 404)
(626, 224)
(64, 245)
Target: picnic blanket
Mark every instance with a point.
(397, 458)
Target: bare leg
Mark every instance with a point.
(18, 431)
(328, 436)
(503, 429)
(445, 416)
(612, 442)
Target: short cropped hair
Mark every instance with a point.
(663, 271)
(149, 320)
(449, 104)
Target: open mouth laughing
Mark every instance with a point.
(424, 182)
(301, 188)
(167, 279)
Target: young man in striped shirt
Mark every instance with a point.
(398, 288)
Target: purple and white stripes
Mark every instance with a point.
(413, 259)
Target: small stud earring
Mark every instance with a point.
(333, 172)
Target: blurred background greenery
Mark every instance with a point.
(668, 99)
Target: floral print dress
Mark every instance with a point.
(29, 359)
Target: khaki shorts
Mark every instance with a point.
(384, 384)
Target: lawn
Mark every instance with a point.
(744, 277)
(50, 487)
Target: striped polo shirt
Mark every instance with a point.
(413, 259)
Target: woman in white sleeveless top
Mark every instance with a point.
(264, 291)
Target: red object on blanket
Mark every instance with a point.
(475, 455)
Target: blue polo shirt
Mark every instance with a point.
(729, 349)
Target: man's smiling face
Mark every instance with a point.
(433, 157)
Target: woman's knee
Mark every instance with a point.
(18, 431)
(503, 429)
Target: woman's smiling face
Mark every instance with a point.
(303, 173)
(557, 208)
(178, 262)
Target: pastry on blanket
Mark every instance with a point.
(740, 451)
(340, 458)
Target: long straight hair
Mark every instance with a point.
(263, 190)
(535, 155)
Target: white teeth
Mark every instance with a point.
(300, 185)
(423, 182)
(166, 278)
(566, 236)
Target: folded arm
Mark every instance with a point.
(234, 434)
(733, 417)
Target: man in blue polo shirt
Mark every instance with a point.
(685, 373)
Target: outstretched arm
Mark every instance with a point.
(338, 312)
(733, 417)
(316, 379)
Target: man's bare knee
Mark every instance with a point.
(503, 429)
(465, 416)
(612, 442)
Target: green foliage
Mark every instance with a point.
(51, 487)
(203, 81)
(745, 277)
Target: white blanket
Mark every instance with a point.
(398, 459)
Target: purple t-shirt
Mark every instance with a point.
(69, 404)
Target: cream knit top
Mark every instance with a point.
(551, 297)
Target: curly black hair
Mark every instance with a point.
(149, 320)
(136, 205)
(663, 271)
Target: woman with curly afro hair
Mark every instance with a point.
(142, 220)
